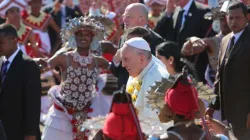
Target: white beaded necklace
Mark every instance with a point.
(82, 60)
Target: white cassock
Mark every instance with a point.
(153, 72)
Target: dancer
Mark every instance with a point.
(10, 9)
(39, 21)
(80, 69)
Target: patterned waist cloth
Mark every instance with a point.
(78, 117)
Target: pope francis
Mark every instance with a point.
(144, 70)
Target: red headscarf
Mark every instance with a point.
(183, 100)
(119, 124)
(87, 30)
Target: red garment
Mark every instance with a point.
(108, 57)
(183, 100)
(119, 124)
(30, 50)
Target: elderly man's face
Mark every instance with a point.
(236, 20)
(131, 17)
(130, 60)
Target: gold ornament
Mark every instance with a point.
(130, 89)
(133, 88)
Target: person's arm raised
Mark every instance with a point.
(46, 64)
(102, 62)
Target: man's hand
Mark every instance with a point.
(194, 39)
(248, 121)
(42, 63)
(30, 138)
(197, 42)
(210, 112)
(117, 58)
(215, 126)
(193, 46)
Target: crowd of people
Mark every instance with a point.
(180, 61)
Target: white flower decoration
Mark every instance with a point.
(89, 81)
(94, 75)
(73, 87)
(67, 92)
(90, 88)
(84, 70)
(68, 98)
(69, 69)
(75, 95)
(74, 102)
(89, 73)
(87, 94)
(68, 80)
(72, 74)
(78, 72)
(82, 88)
(81, 98)
(76, 80)
(83, 78)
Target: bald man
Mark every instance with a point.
(135, 14)
(144, 69)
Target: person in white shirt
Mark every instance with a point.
(143, 71)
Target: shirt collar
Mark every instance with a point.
(237, 35)
(11, 58)
(145, 70)
(187, 6)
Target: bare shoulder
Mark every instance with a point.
(59, 60)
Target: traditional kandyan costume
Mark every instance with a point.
(139, 85)
(39, 26)
(73, 98)
(123, 115)
(176, 96)
(24, 31)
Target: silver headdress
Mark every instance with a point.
(157, 92)
(68, 32)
